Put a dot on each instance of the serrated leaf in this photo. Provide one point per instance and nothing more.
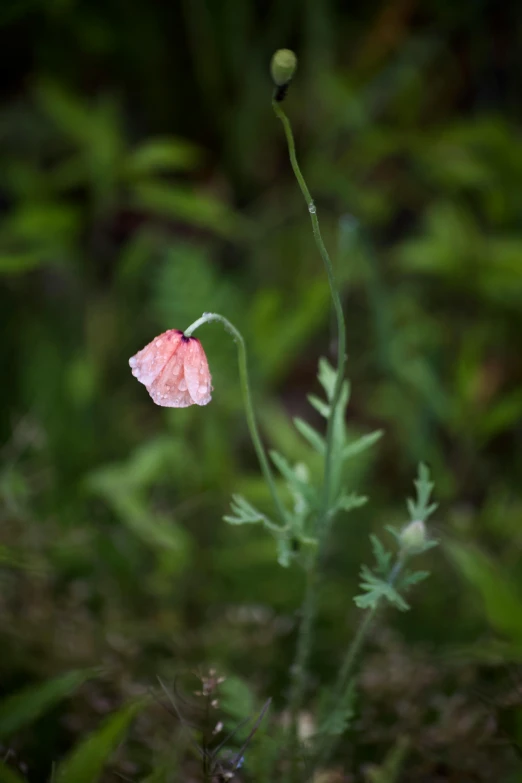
(420, 508)
(375, 589)
(338, 718)
(246, 514)
(315, 440)
(349, 502)
(322, 407)
(361, 444)
(24, 707)
(86, 761)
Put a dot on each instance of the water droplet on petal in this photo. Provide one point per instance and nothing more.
(183, 385)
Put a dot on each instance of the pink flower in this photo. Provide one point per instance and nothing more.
(174, 369)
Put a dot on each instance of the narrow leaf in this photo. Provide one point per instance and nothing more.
(315, 440)
(23, 708)
(327, 376)
(86, 761)
(322, 407)
(361, 444)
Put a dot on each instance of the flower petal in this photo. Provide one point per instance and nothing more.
(197, 374)
(170, 388)
(148, 363)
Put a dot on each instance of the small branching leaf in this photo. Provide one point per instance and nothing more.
(351, 501)
(246, 514)
(375, 588)
(315, 440)
(420, 508)
(361, 444)
(335, 721)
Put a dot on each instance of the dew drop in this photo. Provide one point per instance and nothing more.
(182, 385)
(312, 208)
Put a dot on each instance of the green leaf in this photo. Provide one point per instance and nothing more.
(361, 444)
(294, 479)
(284, 552)
(322, 407)
(315, 440)
(338, 719)
(501, 600)
(86, 761)
(382, 557)
(186, 205)
(8, 775)
(420, 509)
(375, 589)
(18, 263)
(168, 154)
(327, 376)
(413, 578)
(23, 708)
(246, 514)
(351, 501)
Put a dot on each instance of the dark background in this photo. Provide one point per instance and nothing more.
(144, 180)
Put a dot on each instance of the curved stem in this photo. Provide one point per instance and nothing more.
(336, 299)
(247, 399)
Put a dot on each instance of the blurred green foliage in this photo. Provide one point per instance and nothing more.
(145, 180)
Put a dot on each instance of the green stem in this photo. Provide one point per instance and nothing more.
(341, 688)
(247, 399)
(336, 299)
(309, 608)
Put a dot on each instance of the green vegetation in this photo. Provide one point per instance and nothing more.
(145, 181)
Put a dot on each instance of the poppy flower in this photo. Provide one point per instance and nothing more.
(174, 370)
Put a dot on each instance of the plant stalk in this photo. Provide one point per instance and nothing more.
(309, 607)
(344, 677)
(247, 399)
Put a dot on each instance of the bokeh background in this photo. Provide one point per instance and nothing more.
(144, 180)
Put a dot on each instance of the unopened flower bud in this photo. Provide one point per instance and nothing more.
(282, 67)
(413, 538)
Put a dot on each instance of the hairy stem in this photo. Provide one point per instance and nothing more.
(247, 399)
(340, 690)
(309, 608)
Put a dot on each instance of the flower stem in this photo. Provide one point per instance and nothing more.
(340, 690)
(247, 399)
(309, 607)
